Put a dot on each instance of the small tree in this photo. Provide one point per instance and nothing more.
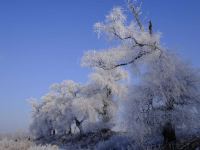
(105, 88)
(57, 111)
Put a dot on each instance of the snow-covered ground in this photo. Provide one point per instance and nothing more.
(102, 140)
(22, 142)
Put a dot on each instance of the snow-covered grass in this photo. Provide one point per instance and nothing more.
(22, 142)
(8, 144)
(99, 140)
(46, 147)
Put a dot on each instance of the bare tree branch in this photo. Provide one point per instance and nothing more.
(135, 13)
(130, 37)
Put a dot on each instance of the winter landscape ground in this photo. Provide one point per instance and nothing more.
(112, 111)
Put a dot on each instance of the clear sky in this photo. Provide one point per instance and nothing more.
(42, 41)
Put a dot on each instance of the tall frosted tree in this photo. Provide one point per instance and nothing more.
(168, 87)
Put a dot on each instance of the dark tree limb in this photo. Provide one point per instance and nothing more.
(140, 55)
(150, 28)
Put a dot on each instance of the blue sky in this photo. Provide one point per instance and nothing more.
(42, 41)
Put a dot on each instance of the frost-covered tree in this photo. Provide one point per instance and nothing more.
(167, 94)
(59, 109)
(104, 87)
(167, 85)
(67, 106)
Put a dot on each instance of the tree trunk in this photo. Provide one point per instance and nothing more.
(79, 125)
(168, 133)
